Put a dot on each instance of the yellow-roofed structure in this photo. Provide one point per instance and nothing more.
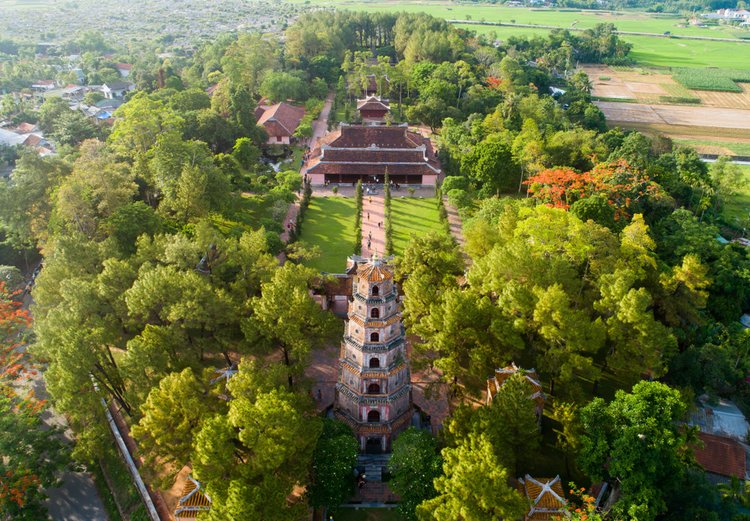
(546, 498)
(193, 501)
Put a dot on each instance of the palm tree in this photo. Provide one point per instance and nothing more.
(736, 491)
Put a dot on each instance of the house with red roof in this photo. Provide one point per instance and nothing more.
(721, 457)
(366, 152)
(124, 69)
(280, 121)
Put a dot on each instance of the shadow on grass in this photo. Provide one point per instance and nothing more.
(329, 225)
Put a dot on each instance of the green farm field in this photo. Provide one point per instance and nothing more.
(565, 18)
(647, 50)
(716, 146)
(652, 51)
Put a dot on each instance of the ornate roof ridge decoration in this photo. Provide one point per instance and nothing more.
(194, 500)
(502, 374)
(545, 496)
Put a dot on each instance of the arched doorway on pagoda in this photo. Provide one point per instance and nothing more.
(375, 445)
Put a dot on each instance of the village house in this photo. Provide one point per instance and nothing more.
(722, 458)
(26, 135)
(366, 152)
(43, 85)
(723, 433)
(117, 89)
(738, 15)
(124, 69)
(280, 121)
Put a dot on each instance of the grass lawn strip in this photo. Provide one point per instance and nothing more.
(329, 224)
(412, 216)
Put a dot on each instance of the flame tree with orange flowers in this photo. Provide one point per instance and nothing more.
(30, 456)
(625, 190)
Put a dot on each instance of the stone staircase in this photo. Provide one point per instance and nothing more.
(374, 465)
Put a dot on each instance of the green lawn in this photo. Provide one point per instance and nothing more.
(412, 216)
(367, 514)
(329, 224)
(738, 208)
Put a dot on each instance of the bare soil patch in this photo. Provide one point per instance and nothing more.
(649, 85)
(740, 100)
(696, 116)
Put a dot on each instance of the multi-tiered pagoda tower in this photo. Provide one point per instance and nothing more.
(373, 393)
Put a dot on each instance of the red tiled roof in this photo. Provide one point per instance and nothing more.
(381, 155)
(25, 128)
(359, 136)
(124, 66)
(281, 119)
(369, 150)
(720, 455)
(375, 271)
(32, 141)
(373, 103)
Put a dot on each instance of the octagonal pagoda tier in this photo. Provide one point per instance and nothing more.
(373, 393)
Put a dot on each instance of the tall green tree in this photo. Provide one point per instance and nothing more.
(509, 423)
(333, 465)
(475, 486)
(639, 442)
(415, 463)
(171, 417)
(287, 321)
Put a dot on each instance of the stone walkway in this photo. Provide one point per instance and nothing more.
(320, 125)
(374, 492)
(373, 224)
(323, 372)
